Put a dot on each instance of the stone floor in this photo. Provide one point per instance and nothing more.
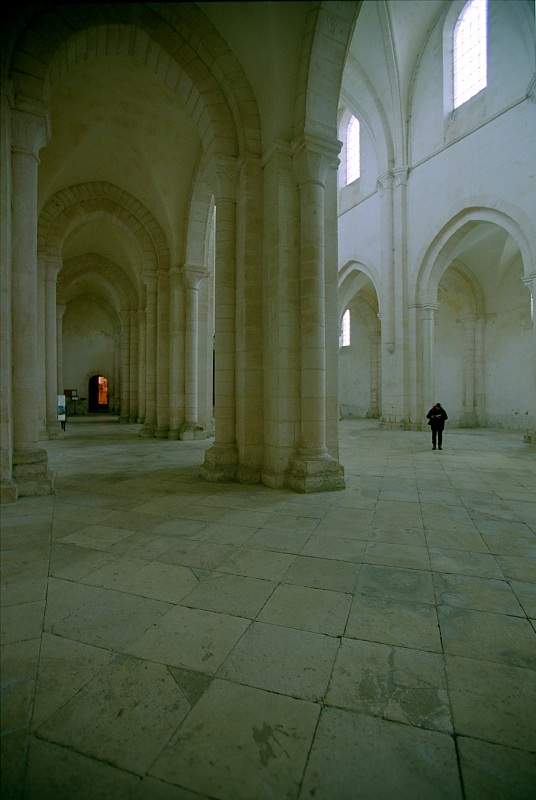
(169, 639)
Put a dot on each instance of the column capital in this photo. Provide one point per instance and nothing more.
(29, 132)
(312, 157)
(279, 150)
(530, 282)
(52, 269)
(193, 275)
(384, 182)
(400, 176)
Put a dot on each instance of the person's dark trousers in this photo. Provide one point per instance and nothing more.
(437, 435)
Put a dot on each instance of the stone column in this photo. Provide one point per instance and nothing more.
(150, 355)
(124, 413)
(133, 363)
(312, 468)
(530, 435)
(41, 344)
(60, 313)
(51, 342)
(469, 371)
(117, 374)
(162, 357)
(480, 363)
(28, 135)
(141, 366)
(176, 353)
(374, 409)
(221, 459)
(192, 276)
(428, 362)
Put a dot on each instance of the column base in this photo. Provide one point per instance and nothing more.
(161, 433)
(174, 434)
(147, 431)
(8, 492)
(245, 474)
(30, 473)
(221, 463)
(54, 431)
(468, 419)
(321, 474)
(392, 423)
(132, 420)
(191, 430)
(140, 420)
(530, 436)
(123, 419)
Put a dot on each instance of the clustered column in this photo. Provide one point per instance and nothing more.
(51, 339)
(530, 283)
(133, 366)
(176, 348)
(150, 355)
(29, 134)
(192, 278)
(428, 335)
(221, 459)
(125, 373)
(312, 468)
(141, 366)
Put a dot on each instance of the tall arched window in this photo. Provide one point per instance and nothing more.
(344, 337)
(470, 51)
(353, 162)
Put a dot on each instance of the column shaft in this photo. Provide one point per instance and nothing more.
(150, 356)
(428, 340)
(162, 357)
(176, 354)
(124, 413)
(53, 426)
(141, 365)
(133, 366)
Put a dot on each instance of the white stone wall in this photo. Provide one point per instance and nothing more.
(88, 345)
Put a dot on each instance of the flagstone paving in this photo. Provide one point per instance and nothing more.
(168, 639)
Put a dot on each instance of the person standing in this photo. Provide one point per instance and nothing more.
(436, 420)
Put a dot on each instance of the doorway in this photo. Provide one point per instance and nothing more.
(98, 393)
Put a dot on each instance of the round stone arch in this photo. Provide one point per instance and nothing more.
(329, 28)
(177, 42)
(350, 271)
(106, 270)
(442, 250)
(68, 207)
(200, 212)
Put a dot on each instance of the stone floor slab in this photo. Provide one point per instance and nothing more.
(125, 715)
(190, 638)
(494, 702)
(403, 584)
(493, 772)
(481, 594)
(230, 594)
(484, 635)
(464, 562)
(252, 563)
(394, 683)
(239, 743)
(282, 660)
(322, 573)
(396, 622)
(316, 610)
(359, 756)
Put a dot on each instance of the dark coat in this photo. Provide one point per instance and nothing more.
(436, 418)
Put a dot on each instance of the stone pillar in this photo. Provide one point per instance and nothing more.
(124, 412)
(192, 276)
(28, 135)
(480, 364)
(312, 468)
(117, 374)
(530, 435)
(150, 355)
(133, 364)
(162, 357)
(60, 313)
(469, 419)
(52, 269)
(428, 362)
(374, 408)
(41, 344)
(176, 353)
(141, 366)
(221, 459)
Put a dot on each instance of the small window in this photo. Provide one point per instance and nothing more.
(353, 161)
(344, 337)
(470, 52)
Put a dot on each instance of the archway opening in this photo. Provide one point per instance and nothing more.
(359, 349)
(98, 393)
